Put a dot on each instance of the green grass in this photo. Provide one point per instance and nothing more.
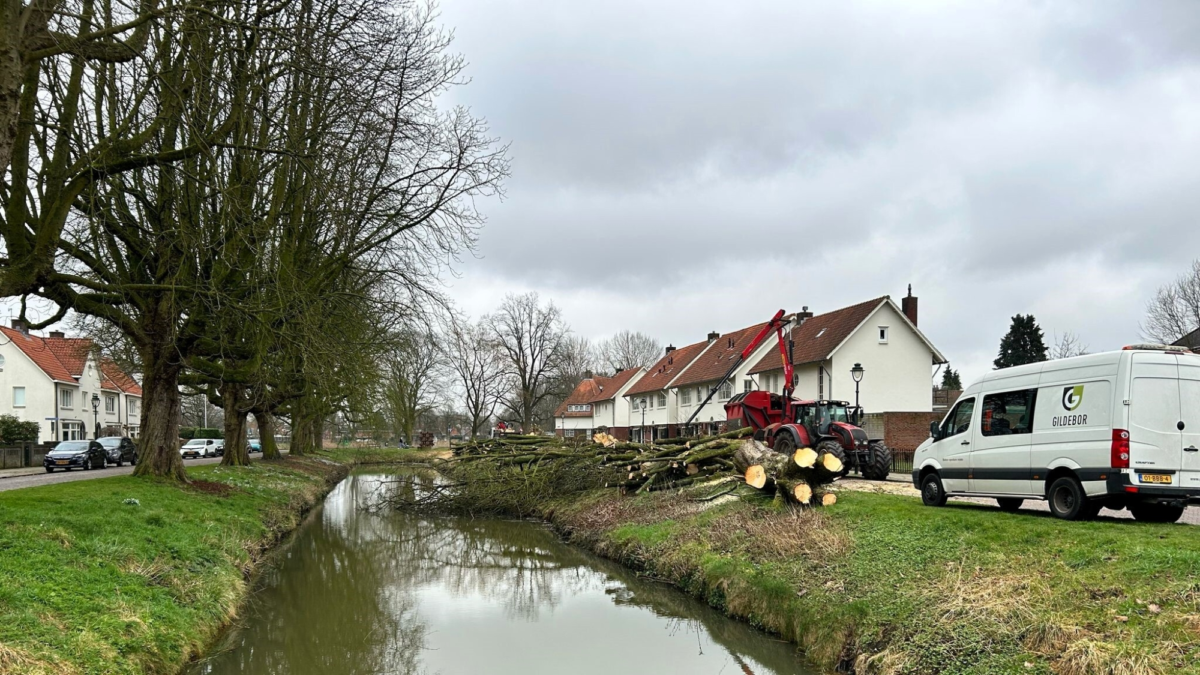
(92, 584)
(895, 587)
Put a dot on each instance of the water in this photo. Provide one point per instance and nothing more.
(364, 590)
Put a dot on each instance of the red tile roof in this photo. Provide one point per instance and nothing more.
(609, 386)
(669, 366)
(715, 362)
(63, 359)
(817, 337)
(117, 379)
(40, 353)
(584, 393)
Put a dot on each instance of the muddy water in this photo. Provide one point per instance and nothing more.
(364, 589)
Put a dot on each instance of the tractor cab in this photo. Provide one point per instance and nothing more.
(818, 415)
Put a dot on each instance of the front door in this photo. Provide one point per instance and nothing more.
(1001, 446)
(954, 446)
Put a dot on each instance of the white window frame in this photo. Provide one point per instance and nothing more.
(685, 396)
(748, 386)
(14, 397)
(110, 403)
(72, 431)
(66, 399)
(662, 399)
(883, 335)
(726, 391)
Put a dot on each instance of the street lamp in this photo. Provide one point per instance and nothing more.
(857, 373)
(96, 413)
(643, 419)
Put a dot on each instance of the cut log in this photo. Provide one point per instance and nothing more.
(828, 499)
(830, 463)
(756, 476)
(805, 458)
(799, 491)
(692, 469)
(751, 453)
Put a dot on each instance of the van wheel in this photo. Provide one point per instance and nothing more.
(1156, 513)
(932, 492)
(879, 462)
(1009, 504)
(1067, 499)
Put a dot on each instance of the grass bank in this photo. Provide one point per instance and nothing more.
(128, 575)
(879, 583)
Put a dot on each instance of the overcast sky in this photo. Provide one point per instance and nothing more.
(680, 167)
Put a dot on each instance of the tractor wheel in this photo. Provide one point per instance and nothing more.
(834, 448)
(878, 463)
(785, 444)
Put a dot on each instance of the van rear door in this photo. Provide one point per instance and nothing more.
(1189, 404)
(1155, 440)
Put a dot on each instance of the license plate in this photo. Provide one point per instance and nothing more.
(1155, 478)
(63, 461)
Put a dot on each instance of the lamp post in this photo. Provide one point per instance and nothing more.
(96, 414)
(643, 419)
(857, 373)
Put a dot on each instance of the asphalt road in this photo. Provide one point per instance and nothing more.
(43, 478)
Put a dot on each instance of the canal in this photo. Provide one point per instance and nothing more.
(362, 588)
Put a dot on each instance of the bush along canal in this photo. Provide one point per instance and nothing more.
(365, 588)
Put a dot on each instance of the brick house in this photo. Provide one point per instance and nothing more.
(596, 403)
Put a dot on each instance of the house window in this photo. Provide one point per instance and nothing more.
(18, 397)
(748, 386)
(883, 335)
(568, 433)
(72, 431)
(133, 406)
(662, 400)
(685, 396)
(726, 390)
(110, 404)
(1, 363)
(65, 398)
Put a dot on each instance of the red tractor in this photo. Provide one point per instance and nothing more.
(824, 426)
(786, 424)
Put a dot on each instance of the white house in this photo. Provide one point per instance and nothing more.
(594, 405)
(651, 402)
(52, 381)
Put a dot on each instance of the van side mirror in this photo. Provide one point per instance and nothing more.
(933, 430)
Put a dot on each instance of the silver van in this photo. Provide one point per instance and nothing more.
(1113, 430)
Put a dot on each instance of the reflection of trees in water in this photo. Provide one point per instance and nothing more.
(343, 599)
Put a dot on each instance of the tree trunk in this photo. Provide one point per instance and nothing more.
(266, 434)
(302, 428)
(158, 444)
(235, 426)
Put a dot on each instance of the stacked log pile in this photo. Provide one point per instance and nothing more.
(671, 463)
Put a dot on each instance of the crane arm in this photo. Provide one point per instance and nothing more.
(776, 324)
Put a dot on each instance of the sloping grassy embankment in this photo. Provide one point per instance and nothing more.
(881, 584)
(129, 575)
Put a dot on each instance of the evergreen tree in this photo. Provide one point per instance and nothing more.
(1023, 344)
(951, 380)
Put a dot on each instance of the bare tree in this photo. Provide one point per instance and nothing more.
(628, 349)
(530, 338)
(412, 372)
(1175, 310)
(477, 368)
(1067, 346)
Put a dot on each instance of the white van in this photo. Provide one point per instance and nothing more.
(1113, 430)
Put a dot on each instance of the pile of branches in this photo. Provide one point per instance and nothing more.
(666, 464)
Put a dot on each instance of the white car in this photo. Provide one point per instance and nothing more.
(1113, 430)
(202, 447)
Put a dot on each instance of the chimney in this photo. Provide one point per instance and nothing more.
(713, 336)
(587, 374)
(803, 315)
(21, 326)
(909, 305)
(57, 334)
(670, 348)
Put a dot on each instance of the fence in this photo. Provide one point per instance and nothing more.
(902, 462)
(22, 455)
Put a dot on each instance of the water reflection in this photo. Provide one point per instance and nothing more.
(367, 590)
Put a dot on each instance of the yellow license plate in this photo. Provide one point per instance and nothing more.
(1155, 478)
(63, 461)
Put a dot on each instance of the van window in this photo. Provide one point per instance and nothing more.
(1007, 413)
(959, 420)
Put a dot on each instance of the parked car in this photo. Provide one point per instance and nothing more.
(120, 449)
(76, 455)
(1114, 430)
(202, 447)
(255, 445)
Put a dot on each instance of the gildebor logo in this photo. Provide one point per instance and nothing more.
(1072, 397)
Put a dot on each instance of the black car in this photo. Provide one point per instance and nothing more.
(120, 449)
(76, 455)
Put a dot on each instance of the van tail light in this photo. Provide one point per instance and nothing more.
(1120, 449)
